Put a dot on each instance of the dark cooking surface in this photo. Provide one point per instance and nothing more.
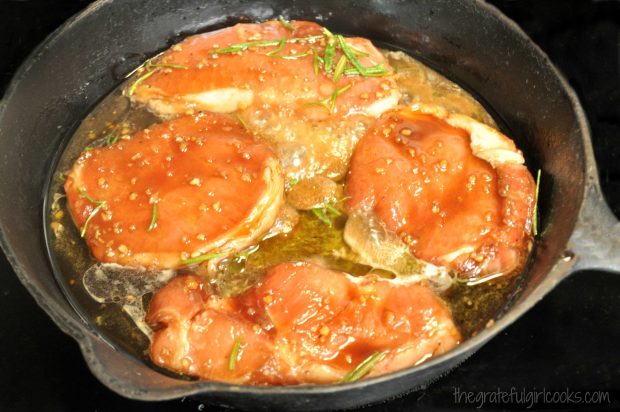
(569, 340)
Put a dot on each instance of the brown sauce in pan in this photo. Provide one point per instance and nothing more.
(473, 307)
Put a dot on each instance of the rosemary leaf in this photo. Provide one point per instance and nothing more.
(287, 24)
(330, 102)
(293, 56)
(277, 49)
(315, 62)
(339, 70)
(332, 209)
(322, 103)
(134, 86)
(242, 121)
(112, 138)
(319, 212)
(358, 52)
(90, 217)
(170, 65)
(535, 215)
(234, 354)
(330, 51)
(235, 48)
(131, 73)
(293, 182)
(363, 368)
(86, 196)
(151, 68)
(335, 94)
(100, 204)
(202, 258)
(144, 64)
(153, 224)
(373, 71)
(350, 55)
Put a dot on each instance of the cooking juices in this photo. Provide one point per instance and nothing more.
(323, 223)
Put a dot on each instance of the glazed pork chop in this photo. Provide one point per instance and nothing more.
(301, 324)
(175, 192)
(308, 92)
(455, 190)
(267, 63)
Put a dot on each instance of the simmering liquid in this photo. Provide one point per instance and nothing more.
(115, 306)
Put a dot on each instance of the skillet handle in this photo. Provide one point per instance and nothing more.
(596, 239)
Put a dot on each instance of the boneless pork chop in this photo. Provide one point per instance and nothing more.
(455, 190)
(174, 192)
(308, 92)
(301, 324)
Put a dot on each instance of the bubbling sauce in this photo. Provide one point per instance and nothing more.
(316, 237)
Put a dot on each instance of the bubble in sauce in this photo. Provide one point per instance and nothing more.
(381, 249)
(125, 286)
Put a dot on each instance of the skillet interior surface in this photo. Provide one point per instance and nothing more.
(85, 59)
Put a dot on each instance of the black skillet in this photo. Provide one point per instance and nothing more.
(469, 41)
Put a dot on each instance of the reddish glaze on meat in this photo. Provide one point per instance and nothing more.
(456, 191)
(198, 332)
(301, 324)
(177, 190)
(271, 76)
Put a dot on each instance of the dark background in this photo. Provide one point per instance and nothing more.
(571, 340)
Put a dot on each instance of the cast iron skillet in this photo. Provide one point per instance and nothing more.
(469, 41)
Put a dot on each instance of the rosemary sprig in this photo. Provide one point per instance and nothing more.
(333, 42)
(287, 24)
(151, 68)
(535, 217)
(100, 204)
(239, 47)
(326, 213)
(202, 258)
(153, 224)
(363, 368)
(350, 55)
(234, 354)
(330, 102)
(292, 56)
(293, 182)
(112, 138)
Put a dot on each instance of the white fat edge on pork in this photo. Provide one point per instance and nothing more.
(486, 142)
